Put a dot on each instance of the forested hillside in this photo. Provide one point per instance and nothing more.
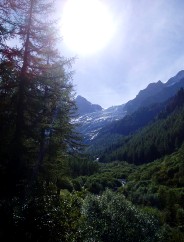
(163, 136)
(111, 134)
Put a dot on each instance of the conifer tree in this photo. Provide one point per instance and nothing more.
(36, 90)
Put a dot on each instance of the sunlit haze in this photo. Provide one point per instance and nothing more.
(87, 26)
(121, 45)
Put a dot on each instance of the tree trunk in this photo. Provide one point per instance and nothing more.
(21, 93)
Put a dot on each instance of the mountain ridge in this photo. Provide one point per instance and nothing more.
(92, 122)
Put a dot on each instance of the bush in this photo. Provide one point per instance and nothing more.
(110, 217)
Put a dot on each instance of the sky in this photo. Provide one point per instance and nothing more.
(147, 46)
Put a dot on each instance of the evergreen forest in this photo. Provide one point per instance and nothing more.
(52, 187)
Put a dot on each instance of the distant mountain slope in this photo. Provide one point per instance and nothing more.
(90, 124)
(93, 120)
(156, 93)
(160, 138)
(132, 122)
(112, 133)
(85, 106)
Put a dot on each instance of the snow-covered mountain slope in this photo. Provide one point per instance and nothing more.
(91, 123)
(94, 118)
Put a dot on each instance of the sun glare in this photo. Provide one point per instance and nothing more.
(87, 26)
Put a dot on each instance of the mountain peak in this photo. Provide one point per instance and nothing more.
(150, 90)
(176, 78)
(79, 97)
(84, 106)
(156, 92)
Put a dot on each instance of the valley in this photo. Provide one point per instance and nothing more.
(72, 170)
(141, 143)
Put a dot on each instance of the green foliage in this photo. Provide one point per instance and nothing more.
(43, 217)
(98, 146)
(36, 95)
(82, 167)
(37, 135)
(110, 217)
(109, 176)
(157, 185)
(160, 185)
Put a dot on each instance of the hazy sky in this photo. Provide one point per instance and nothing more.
(147, 46)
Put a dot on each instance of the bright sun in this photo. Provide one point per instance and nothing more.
(87, 26)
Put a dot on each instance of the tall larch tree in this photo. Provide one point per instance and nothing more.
(36, 133)
(37, 95)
